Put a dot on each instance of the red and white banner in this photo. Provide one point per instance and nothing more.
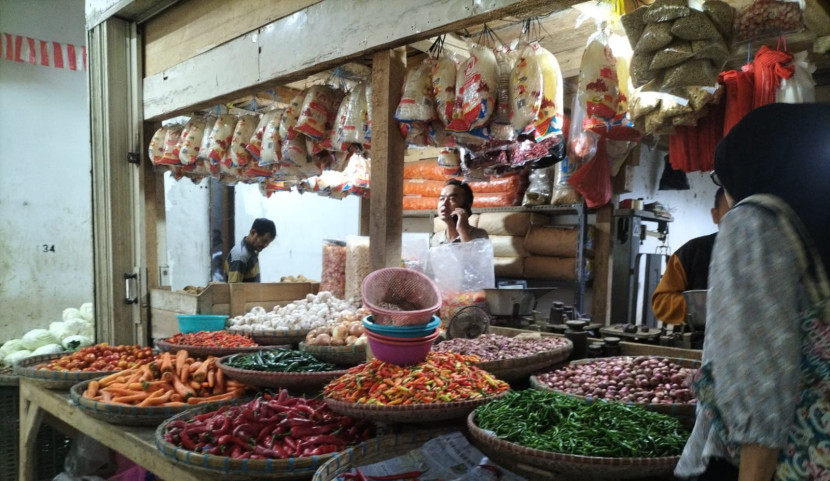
(18, 48)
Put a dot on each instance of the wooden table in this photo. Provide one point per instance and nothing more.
(135, 443)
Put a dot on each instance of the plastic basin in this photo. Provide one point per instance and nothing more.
(401, 353)
(418, 330)
(201, 322)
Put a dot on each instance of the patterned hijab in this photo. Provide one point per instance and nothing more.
(783, 150)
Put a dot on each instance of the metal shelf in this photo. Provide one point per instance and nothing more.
(642, 214)
(548, 209)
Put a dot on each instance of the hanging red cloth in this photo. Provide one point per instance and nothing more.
(737, 99)
(692, 149)
(770, 67)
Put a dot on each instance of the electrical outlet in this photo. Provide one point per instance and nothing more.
(164, 275)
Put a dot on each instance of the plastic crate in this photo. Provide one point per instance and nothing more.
(52, 445)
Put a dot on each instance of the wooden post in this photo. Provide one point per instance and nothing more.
(600, 302)
(30, 418)
(386, 198)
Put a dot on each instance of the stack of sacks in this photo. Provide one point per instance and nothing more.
(424, 180)
(551, 252)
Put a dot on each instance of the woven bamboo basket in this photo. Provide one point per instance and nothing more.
(7, 377)
(519, 368)
(374, 450)
(412, 413)
(285, 380)
(685, 411)
(271, 337)
(130, 415)
(53, 379)
(204, 351)
(568, 466)
(222, 467)
(340, 355)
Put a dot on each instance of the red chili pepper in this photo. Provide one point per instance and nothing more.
(211, 339)
(305, 431)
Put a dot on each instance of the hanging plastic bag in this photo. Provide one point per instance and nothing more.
(333, 276)
(290, 116)
(358, 265)
(316, 111)
(800, 88)
(353, 123)
(443, 76)
(766, 18)
(156, 148)
(415, 133)
(245, 127)
(254, 145)
(540, 186)
(191, 139)
(417, 103)
(501, 127)
(270, 151)
(525, 88)
(593, 179)
(548, 121)
(462, 270)
(204, 144)
(475, 88)
(220, 137)
(450, 161)
(171, 139)
(294, 151)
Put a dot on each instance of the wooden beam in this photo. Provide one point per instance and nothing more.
(386, 201)
(248, 64)
(98, 11)
(195, 26)
(601, 299)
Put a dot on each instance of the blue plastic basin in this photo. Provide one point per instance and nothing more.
(417, 330)
(201, 322)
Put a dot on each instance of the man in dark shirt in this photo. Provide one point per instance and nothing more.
(687, 269)
(242, 264)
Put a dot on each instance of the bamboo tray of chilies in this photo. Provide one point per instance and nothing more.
(567, 466)
(411, 413)
(131, 415)
(224, 468)
(276, 379)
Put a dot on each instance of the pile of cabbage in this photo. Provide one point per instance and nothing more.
(75, 331)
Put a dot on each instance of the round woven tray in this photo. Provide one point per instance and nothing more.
(340, 355)
(204, 351)
(7, 377)
(374, 450)
(412, 413)
(223, 467)
(519, 368)
(53, 379)
(271, 337)
(286, 380)
(682, 410)
(512, 455)
(129, 415)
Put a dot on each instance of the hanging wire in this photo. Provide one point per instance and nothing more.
(437, 47)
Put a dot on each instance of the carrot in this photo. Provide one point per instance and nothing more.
(211, 378)
(135, 386)
(176, 397)
(184, 375)
(153, 386)
(201, 373)
(146, 373)
(168, 376)
(194, 366)
(92, 389)
(195, 385)
(112, 377)
(219, 387)
(166, 364)
(181, 359)
(157, 400)
(106, 396)
(120, 392)
(183, 390)
(219, 397)
(139, 396)
(135, 377)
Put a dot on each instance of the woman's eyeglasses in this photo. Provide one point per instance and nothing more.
(715, 178)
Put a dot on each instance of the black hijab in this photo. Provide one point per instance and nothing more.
(784, 150)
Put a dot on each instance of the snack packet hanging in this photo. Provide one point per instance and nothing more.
(294, 151)
(443, 75)
(156, 148)
(548, 121)
(245, 127)
(220, 137)
(316, 112)
(171, 139)
(475, 87)
(501, 127)
(204, 144)
(525, 88)
(271, 148)
(354, 123)
(417, 103)
(290, 116)
(254, 145)
(191, 139)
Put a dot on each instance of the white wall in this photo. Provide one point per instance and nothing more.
(188, 239)
(45, 181)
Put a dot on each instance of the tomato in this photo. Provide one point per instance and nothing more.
(90, 357)
(122, 364)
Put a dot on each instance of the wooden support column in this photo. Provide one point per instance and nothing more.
(601, 300)
(386, 198)
(30, 418)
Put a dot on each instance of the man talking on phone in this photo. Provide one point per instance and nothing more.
(455, 208)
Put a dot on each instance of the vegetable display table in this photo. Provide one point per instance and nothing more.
(135, 443)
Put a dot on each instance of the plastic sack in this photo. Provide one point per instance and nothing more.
(501, 127)
(316, 112)
(593, 179)
(598, 85)
(540, 186)
(548, 121)
(525, 89)
(294, 151)
(417, 103)
(270, 149)
(475, 89)
(766, 18)
(87, 457)
(220, 137)
(443, 76)
(438, 135)
(462, 267)
(415, 133)
(722, 16)
(358, 265)
(245, 127)
(204, 145)
(423, 169)
(191, 139)
(634, 24)
(333, 276)
(290, 116)
(415, 255)
(450, 161)
(800, 88)
(665, 10)
(254, 144)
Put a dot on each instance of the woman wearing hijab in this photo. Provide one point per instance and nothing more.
(764, 385)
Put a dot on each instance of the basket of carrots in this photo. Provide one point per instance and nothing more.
(151, 393)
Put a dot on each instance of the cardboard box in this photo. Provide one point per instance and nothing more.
(228, 299)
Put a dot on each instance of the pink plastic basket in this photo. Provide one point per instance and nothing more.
(400, 297)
